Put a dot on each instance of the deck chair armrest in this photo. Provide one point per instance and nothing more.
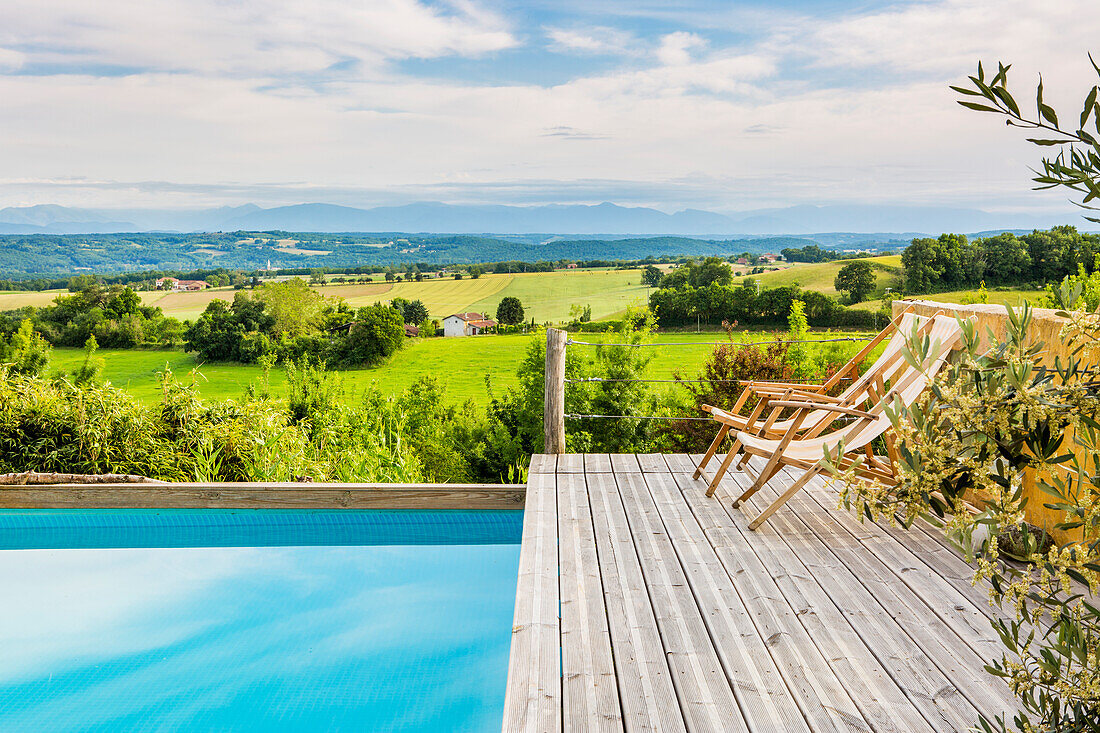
(831, 408)
(805, 386)
(802, 395)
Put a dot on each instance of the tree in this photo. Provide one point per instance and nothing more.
(857, 278)
(295, 306)
(25, 353)
(475, 272)
(81, 282)
(378, 332)
(997, 416)
(651, 276)
(389, 276)
(510, 311)
(1007, 259)
(415, 312)
(710, 270)
(920, 263)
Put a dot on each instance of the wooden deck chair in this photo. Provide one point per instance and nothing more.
(807, 452)
(855, 396)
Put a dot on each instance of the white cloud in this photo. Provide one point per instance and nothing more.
(256, 37)
(596, 40)
(675, 48)
(10, 60)
(854, 108)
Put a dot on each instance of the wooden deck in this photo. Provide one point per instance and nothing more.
(642, 605)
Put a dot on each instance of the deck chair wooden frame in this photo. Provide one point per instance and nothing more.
(861, 392)
(849, 446)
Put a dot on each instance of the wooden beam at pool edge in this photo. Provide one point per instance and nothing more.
(264, 495)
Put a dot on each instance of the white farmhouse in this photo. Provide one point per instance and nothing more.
(466, 324)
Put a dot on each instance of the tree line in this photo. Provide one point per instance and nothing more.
(703, 292)
(953, 262)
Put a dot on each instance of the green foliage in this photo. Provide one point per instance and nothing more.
(296, 308)
(857, 278)
(510, 311)
(716, 304)
(798, 355)
(809, 253)
(293, 322)
(651, 276)
(712, 270)
(377, 333)
(91, 370)
(1085, 285)
(114, 315)
(619, 396)
(1076, 166)
(987, 423)
(415, 312)
(24, 353)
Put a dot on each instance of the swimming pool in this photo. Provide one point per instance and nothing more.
(255, 620)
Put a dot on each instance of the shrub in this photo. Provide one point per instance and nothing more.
(719, 386)
(987, 423)
(24, 353)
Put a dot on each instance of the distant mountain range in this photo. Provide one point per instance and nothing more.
(606, 219)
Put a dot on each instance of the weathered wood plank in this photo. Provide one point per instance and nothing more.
(817, 689)
(590, 695)
(553, 410)
(571, 463)
(705, 694)
(246, 495)
(624, 463)
(935, 694)
(597, 463)
(775, 683)
(951, 630)
(652, 463)
(532, 700)
(680, 463)
(542, 463)
(775, 583)
(647, 695)
(963, 607)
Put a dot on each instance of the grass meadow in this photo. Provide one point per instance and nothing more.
(820, 275)
(546, 296)
(461, 364)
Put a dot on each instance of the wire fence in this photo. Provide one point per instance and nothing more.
(742, 344)
(580, 416)
(605, 380)
(792, 380)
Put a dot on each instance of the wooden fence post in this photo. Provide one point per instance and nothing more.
(553, 410)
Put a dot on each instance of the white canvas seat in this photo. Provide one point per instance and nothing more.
(807, 452)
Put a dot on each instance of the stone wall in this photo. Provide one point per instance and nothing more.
(1046, 327)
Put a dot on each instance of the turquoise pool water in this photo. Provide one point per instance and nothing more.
(255, 620)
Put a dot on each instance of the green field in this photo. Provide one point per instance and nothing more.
(546, 296)
(996, 297)
(820, 275)
(460, 364)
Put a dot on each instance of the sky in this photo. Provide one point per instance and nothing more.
(726, 106)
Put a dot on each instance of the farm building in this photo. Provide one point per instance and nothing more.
(466, 324)
(171, 283)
